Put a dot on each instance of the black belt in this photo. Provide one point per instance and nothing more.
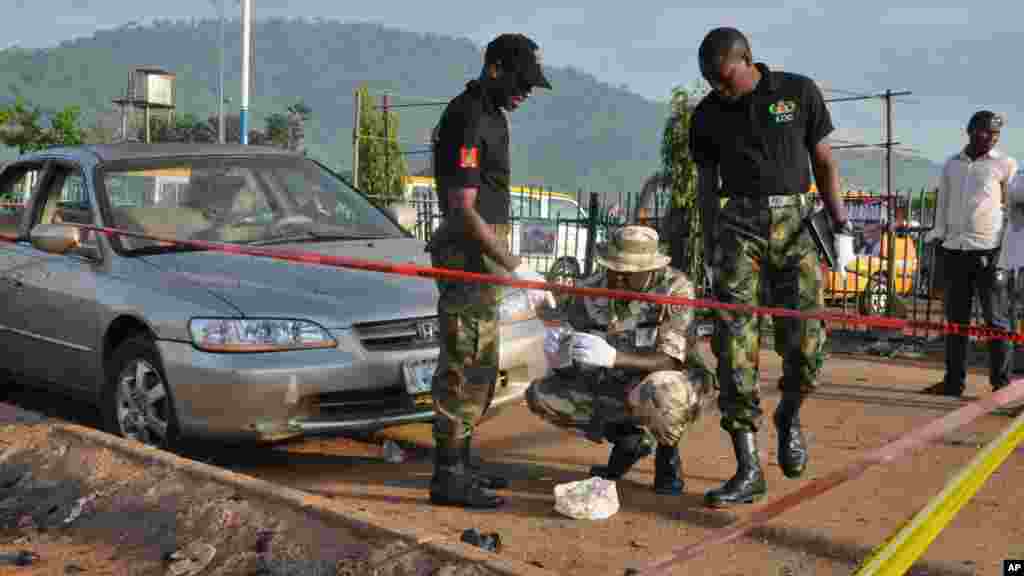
(775, 200)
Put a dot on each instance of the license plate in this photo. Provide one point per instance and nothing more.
(419, 374)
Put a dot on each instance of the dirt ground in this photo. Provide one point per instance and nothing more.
(863, 403)
(76, 508)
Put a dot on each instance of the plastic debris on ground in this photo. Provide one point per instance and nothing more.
(19, 558)
(490, 542)
(592, 499)
(191, 560)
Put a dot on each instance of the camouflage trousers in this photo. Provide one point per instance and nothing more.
(663, 404)
(467, 370)
(786, 266)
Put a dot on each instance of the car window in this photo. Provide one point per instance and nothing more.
(236, 200)
(66, 200)
(16, 185)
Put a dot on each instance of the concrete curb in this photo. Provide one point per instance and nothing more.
(325, 508)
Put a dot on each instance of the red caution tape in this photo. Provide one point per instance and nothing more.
(897, 448)
(981, 332)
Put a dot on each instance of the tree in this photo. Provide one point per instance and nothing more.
(20, 127)
(185, 128)
(382, 168)
(281, 130)
(298, 113)
(680, 174)
(277, 130)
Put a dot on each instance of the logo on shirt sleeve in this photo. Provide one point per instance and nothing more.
(783, 111)
(469, 157)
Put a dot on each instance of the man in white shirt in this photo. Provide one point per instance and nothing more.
(1011, 256)
(969, 221)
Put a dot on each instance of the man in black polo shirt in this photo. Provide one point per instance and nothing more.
(756, 130)
(471, 167)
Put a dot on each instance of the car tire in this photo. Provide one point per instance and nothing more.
(145, 414)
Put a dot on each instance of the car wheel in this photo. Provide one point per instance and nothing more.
(137, 401)
(874, 300)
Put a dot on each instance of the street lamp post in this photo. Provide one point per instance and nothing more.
(220, 83)
(243, 115)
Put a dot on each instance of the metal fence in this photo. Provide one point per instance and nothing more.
(561, 245)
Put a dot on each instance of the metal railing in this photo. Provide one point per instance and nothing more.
(562, 246)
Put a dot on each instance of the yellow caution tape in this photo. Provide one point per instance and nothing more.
(894, 556)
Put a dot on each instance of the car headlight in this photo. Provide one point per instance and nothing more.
(258, 335)
(515, 306)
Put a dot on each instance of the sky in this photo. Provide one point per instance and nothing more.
(954, 59)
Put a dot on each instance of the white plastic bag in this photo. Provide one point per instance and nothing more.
(556, 345)
(592, 499)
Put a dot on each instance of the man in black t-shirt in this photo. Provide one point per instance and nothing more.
(756, 131)
(472, 171)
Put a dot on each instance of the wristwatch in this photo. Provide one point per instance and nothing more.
(844, 228)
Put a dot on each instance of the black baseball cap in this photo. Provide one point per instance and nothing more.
(986, 120)
(518, 53)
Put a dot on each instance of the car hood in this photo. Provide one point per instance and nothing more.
(333, 297)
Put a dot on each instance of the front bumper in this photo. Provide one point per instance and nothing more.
(275, 396)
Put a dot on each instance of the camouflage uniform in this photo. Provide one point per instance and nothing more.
(463, 385)
(788, 263)
(662, 403)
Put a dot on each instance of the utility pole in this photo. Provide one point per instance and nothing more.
(358, 97)
(891, 288)
(220, 82)
(887, 96)
(128, 95)
(243, 116)
(387, 149)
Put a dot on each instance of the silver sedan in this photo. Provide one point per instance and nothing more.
(171, 341)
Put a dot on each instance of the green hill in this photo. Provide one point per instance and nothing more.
(865, 169)
(586, 134)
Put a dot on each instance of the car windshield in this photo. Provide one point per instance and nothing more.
(237, 200)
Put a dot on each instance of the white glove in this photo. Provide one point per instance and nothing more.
(536, 297)
(553, 345)
(592, 350)
(844, 253)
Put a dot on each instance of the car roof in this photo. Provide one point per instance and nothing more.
(155, 151)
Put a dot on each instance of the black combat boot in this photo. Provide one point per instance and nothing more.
(628, 448)
(475, 468)
(748, 484)
(453, 485)
(792, 447)
(666, 470)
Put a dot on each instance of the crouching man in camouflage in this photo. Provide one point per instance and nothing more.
(636, 377)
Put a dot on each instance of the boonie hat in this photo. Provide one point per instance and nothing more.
(632, 249)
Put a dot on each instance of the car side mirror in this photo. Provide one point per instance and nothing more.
(61, 239)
